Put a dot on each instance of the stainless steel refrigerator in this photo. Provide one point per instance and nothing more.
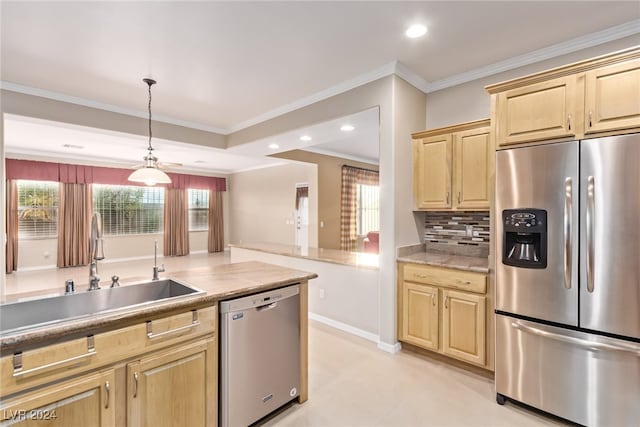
(568, 279)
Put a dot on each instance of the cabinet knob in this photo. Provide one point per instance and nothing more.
(569, 122)
(590, 122)
(458, 197)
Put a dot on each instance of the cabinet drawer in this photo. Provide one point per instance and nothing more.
(446, 277)
(38, 366)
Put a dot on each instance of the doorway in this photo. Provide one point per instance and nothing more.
(302, 215)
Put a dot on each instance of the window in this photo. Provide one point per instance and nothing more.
(37, 209)
(198, 210)
(368, 208)
(129, 209)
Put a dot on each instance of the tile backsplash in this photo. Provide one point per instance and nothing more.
(458, 233)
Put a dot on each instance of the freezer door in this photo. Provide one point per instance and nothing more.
(542, 177)
(585, 378)
(610, 235)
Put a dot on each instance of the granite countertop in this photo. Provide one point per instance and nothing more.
(218, 283)
(419, 255)
(459, 262)
(335, 256)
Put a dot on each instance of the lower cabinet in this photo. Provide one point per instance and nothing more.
(463, 326)
(159, 372)
(174, 388)
(86, 401)
(420, 316)
(437, 313)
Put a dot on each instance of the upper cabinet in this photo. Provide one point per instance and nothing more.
(612, 97)
(452, 167)
(538, 111)
(597, 96)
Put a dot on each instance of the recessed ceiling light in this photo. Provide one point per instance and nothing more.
(78, 147)
(274, 146)
(305, 138)
(416, 31)
(347, 128)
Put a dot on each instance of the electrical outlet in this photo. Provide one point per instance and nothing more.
(321, 293)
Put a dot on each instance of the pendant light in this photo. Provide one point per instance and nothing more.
(150, 173)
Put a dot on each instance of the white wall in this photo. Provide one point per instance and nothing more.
(350, 299)
(262, 203)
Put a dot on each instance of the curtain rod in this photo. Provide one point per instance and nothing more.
(363, 169)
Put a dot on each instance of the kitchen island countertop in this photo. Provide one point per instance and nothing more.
(218, 282)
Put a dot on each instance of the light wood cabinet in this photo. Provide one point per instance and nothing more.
(595, 97)
(463, 326)
(452, 167)
(432, 172)
(539, 111)
(420, 315)
(175, 387)
(82, 381)
(85, 401)
(612, 97)
(444, 310)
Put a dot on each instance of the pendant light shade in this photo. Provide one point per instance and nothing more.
(150, 174)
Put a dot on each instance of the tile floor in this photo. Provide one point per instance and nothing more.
(351, 382)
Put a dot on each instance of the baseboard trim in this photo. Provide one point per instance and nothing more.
(389, 348)
(345, 328)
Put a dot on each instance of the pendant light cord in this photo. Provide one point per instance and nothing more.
(150, 147)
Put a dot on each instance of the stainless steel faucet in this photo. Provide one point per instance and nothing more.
(96, 251)
(156, 269)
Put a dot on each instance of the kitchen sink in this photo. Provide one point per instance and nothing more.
(44, 311)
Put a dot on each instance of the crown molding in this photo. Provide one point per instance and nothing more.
(594, 39)
(57, 96)
(412, 78)
(362, 79)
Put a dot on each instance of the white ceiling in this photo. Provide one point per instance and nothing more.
(222, 66)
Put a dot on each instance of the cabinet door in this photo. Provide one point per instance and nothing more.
(420, 315)
(612, 97)
(472, 167)
(85, 401)
(536, 112)
(432, 172)
(176, 387)
(463, 326)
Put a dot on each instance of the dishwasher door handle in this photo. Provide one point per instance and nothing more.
(267, 306)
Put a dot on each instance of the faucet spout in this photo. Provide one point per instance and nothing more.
(96, 251)
(156, 269)
(94, 279)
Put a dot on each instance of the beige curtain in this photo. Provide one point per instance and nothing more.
(11, 224)
(301, 192)
(351, 177)
(216, 227)
(74, 224)
(176, 222)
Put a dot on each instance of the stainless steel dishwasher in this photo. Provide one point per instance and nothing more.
(260, 355)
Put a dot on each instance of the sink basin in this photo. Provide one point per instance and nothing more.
(39, 312)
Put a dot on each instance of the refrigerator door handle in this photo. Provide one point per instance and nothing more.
(590, 226)
(568, 208)
(586, 344)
